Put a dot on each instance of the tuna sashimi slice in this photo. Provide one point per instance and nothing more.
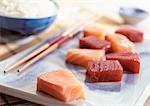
(120, 43)
(61, 84)
(94, 30)
(104, 71)
(81, 57)
(129, 61)
(93, 42)
(131, 33)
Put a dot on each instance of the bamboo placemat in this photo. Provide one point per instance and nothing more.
(9, 49)
(6, 100)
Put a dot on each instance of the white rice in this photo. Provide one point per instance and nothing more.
(27, 8)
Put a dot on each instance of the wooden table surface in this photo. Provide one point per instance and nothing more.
(9, 49)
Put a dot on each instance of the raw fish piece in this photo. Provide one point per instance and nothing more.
(129, 61)
(81, 57)
(120, 43)
(94, 30)
(131, 33)
(61, 84)
(93, 42)
(104, 71)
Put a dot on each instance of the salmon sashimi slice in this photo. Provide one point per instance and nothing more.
(129, 61)
(92, 42)
(133, 34)
(94, 30)
(61, 84)
(120, 43)
(104, 71)
(81, 57)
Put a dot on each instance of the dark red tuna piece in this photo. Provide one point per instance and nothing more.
(92, 42)
(131, 33)
(104, 71)
(129, 61)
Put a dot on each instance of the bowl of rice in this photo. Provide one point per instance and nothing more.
(27, 17)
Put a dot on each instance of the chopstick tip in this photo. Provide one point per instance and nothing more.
(5, 71)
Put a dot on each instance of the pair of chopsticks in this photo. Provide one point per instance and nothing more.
(47, 48)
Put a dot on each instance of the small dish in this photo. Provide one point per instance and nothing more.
(132, 15)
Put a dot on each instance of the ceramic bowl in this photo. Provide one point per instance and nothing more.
(25, 26)
(132, 15)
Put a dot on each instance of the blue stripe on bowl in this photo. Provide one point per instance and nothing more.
(27, 26)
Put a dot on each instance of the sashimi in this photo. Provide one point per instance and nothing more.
(104, 71)
(81, 57)
(94, 30)
(93, 42)
(131, 33)
(61, 84)
(120, 43)
(129, 61)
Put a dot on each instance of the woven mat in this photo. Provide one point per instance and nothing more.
(6, 100)
(62, 22)
(9, 49)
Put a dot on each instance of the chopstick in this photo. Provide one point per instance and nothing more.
(44, 53)
(36, 52)
(47, 48)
